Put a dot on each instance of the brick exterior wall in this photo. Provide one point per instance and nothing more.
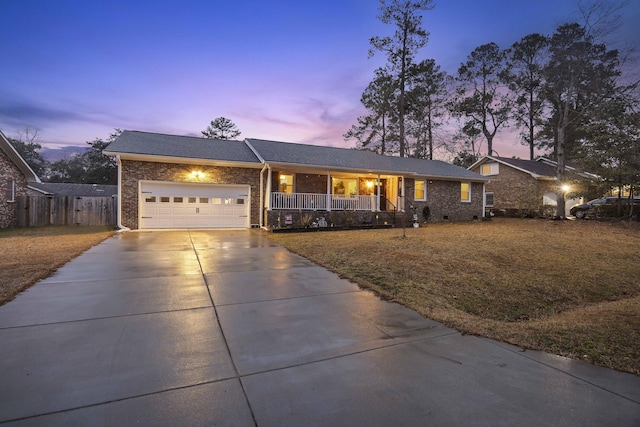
(302, 182)
(310, 183)
(516, 192)
(135, 171)
(443, 200)
(8, 170)
(443, 197)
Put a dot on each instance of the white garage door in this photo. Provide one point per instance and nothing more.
(177, 205)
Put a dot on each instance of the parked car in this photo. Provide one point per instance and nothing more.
(604, 206)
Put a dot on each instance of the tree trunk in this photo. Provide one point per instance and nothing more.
(531, 126)
(403, 71)
(560, 205)
(430, 136)
(489, 137)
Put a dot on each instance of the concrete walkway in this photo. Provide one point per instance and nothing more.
(225, 328)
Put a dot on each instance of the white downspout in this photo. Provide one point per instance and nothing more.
(261, 222)
(119, 220)
(268, 193)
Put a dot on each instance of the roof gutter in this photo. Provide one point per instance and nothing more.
(180, 160)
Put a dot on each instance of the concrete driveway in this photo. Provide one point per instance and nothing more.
(226, 328)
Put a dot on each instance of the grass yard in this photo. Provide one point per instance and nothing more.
(567, 287)
(33, 253)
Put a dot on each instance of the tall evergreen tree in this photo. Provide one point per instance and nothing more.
(580, 78)
(376, 130)
(221, 128)
(525, 63)
(480, 97)
(401, 48)
(426, 105)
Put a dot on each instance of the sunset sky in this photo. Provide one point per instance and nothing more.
(284, 70)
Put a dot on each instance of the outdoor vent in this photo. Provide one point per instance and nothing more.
(445, 217)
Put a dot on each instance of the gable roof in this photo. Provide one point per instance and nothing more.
(257, 152)
(15, 157)
(144, 146)
(541, 168)
(344, 159)
(75, 190)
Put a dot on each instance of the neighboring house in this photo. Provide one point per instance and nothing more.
(15, 174)
(168, 181)
(73, 190)
(527, 187)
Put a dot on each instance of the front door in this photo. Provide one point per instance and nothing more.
(383, 195)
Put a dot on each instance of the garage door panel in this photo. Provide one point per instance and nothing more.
(178, 205)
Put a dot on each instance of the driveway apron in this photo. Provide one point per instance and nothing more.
(199, 327)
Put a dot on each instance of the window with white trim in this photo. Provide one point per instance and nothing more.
(420, 190)
(489, 169)
(11, 190)
(465, 192)
(344, 186)
(286, 183)
(488, 199)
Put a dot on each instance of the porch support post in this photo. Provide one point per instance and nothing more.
(328, 191)
(268, 192)
(401, 207)
(378, 195)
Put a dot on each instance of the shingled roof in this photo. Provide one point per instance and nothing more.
(259, 151)
(540, 168)
(143, 144)
(283, 153)
(75, 190)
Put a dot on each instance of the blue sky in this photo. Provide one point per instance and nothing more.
(284, 70)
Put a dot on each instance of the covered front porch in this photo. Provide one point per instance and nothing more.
(294, 198)
(334, 192)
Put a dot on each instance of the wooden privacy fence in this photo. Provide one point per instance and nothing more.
(66, 210)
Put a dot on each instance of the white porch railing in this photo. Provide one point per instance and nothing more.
(352, 203)
(318, 202)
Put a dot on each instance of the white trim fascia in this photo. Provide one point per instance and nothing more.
(183, 160)
(17, 159)
(39, 190)
(481, 160)
(533, 174)
(325, 169)
(451, 178)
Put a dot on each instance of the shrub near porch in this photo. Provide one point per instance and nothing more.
(570, 288)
